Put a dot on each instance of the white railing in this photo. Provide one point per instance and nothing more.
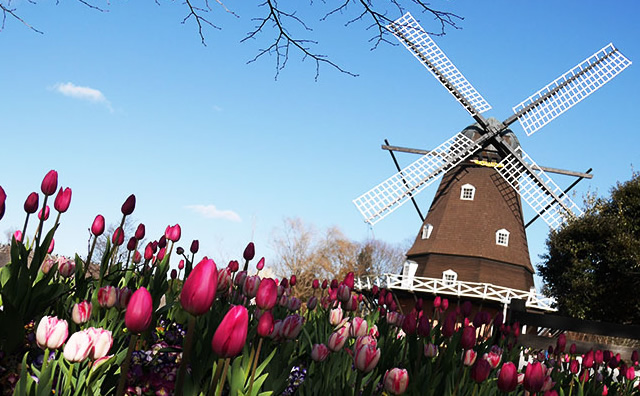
(483, 291)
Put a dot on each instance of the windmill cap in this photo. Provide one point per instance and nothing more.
(474, 132)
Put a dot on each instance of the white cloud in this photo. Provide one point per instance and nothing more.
(83, 93)
(211, 212)
(217, 108)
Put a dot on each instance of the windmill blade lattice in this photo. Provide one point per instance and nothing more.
(415, 39)
(567, 90)
(389, 195)
(544, 204)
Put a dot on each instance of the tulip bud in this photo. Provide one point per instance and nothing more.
(199, 290)
(181, 265)
(312, 303)
(231, 334)
(139, 311)
(534, 377)
(284, 283)
(148, 252)
(358, 327)
(122, 297)
(195, 246)
(396, 381)
(101, 342)
(335, 316)
(51, 246)
(233, 265)
(173, 233)
(480, 371)
(424, 327)
(66, 267)
(50, 183)
(97, 228)
(430, 350)
(161, 254)
(260, 264)
(319, 352)
(48, 263)
(324, 284)
(63, 200)
(265, 324)
(118, 237)
(131, 244)
(162, 242)
(469, 357)
(598, 357)
(508, 377)
(46, 213)
(293, 304)
(344, 294)
(3, 197)
(293, 280)
(338, 338)
(107, 296)
(366, 358)
(574, 367)
(292, 326)
(17, 236)
(51, 332)
(449, 324)
(31, 203)
(179, 250)
(129, 205)
(249, 252)
(315, 284)
(630, 373)
(267, 294)
(81, 312)
(587, 359)
(409, 324)
(78, 347)
(444, 305)
(561, 343)
(140, 231)
(468, 339)
(174, 274)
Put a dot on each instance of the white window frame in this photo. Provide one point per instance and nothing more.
(466, 190)
(502, 237)
(449, 277)
(427, 229)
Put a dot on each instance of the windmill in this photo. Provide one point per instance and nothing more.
(474, 230)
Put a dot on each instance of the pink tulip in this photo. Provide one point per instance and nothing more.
(534, 377)
(260, 264)
(315, 284)
(46, 213)
(358, 327)
(3, 197)
(148, 252)
(78, 347)
(630, 373)
(430, 350)
(51, 332)
(493, 358)
(48, 263)
(396, 381)
(319, 352)
(97, 228)
(31, 203)
(81, 312)
(366, 358)
(50, 183)
(265, 324)
(469, 357)
(118, 237)
(335, 316)
(362, 340)
(231, 334)
(63, 199)
(338, 338)
(173, 233)
(561, 343)
(508, 377)
(129, 205)
(251, 285)
(349, 280)
(249, 252)
(574, 367)
(107, 296)
(292, 326)
(267, 294)
(52, 245)
(139, 311)
(66, 267)
(199, 290)
(101, 342)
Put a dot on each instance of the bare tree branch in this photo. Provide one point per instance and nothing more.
(11, 11)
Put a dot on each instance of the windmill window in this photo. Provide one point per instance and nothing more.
(502, 237)
(426, 231)
(449, 277)
(467, 192)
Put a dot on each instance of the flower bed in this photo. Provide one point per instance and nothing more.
(141, 328)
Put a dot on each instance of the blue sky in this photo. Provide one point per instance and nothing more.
(129, 101)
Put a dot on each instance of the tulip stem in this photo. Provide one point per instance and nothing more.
(254, 366)
(358, 385)
(186, 355)
(216, 377)
(224, 376)
(126, 364)
(24, 229)
(41, 223)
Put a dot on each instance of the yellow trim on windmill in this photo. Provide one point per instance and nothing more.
(489, 164)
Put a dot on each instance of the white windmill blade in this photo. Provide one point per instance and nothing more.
(543, 203)
(567, 90)
(396, 190)
(409, 32)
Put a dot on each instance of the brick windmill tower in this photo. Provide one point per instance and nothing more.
(474, 230)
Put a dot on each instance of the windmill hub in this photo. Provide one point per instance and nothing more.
(490, 152)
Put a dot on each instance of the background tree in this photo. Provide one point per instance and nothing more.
(592, 265)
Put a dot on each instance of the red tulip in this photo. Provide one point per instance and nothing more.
(293, 280)
(265, 324)
(534, 377)
(50, 183)
(195, 246)
(448, 327)
(249, 251)
(63, 199)
(148, 252)
(424, 327)
(267, 294)
(233, 265)
(468, 339)
(231, 334)
(129, 205)
(410, 323)
(118, 237)
(574, 367)
(480, 370)
(561, 343)
(46, 213)
(131, 244)
(139, 310)
(97, 228)
(140, 231)
(396, 381)
(437, 301)
(31, 203)
(173, 233)
(349, 280)
(508, 378)
(199, 290)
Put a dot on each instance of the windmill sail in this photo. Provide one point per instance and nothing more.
(396, 190)
(552, 210)
(572, 87)
(412, 36)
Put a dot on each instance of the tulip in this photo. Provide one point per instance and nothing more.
(97, 228)
(550, 393)
(162, 242)
(81, 312)
(48, 262)
(277, 330)
(319, 352)
(131, 244)
(508, 377)
(174, 274)
(366, 358)
(635, 357)
(335, 316)
(195, 246)
(409, 324)
(480, 371)
(31, 203)
(51, 332)
(249, 251)
(444, 305)
(63, 199)
(293, 280)
(358, 327)
(312, 303)
(349, 280)
(50, 183)
(469, 357)
(344, 294)
(231, 334)
(630, 373)
(448, 327)
(534, 377)
(437, 301)
(66, 267)
(265, 324)
(574, 367)
(173, 233)
(588, 359)
(598, 357)
(51, 246)
(547, 385)
(107, 296)
(294, 304)
(46, 213)
(468, 339)
(3, 198)
(148, 252)
(251, 285)
(324, 284)
(260, 264)
(338, 338)
(561, 343)
(424, 327)
(181, 265)
(393, 318)
(240, 278)
(396, 381)
(493, 358)
(351, 304)
(430, 350)
(118, 237)
(122, 297)
(129, 205)
(292, 326)
(78, 347)
(139, 310)
(224, 280)
(199, 290)
(101, 342)
(233, 266)
(267, 294)
(284, 283)
(572, 349)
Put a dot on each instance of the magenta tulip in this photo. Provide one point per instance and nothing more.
(396, 381)
(260, 264)
(140, 232)
(46, 213)
(249, 252)
(17, 236)
(3, 197)
(139, 311)
(267, 294)
(118, 237)
(199, 290)
(468, 339)
(31, 203)
(51, 246)
(349, 280)
(315, 284)
(148, 252)
(51, 332)
(534, 377)
(231, 334)
(50, 183)
(97, 228)
(63, 200)
(233, 266)
(508, 378)
(173, 233)
(265, 324)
